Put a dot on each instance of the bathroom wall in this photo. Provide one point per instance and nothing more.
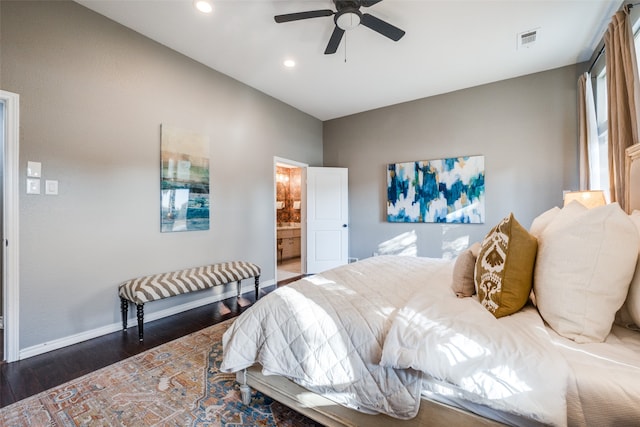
(288, 193)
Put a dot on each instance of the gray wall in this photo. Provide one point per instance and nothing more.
(93, 95)
(525, 127)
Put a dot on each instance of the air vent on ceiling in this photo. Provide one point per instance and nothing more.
(527, 38)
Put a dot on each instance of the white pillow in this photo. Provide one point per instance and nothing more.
(586, 260)
(537, 227)
(632, 303)
(542, 221)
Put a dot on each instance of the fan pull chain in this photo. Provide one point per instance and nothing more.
(345, 47)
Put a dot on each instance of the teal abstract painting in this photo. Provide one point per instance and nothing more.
(184, 159)
(446, 190)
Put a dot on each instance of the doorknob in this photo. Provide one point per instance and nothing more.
(344, 225)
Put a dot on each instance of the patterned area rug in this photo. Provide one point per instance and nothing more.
(175, 384)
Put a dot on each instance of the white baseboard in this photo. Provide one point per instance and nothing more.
(132, 322)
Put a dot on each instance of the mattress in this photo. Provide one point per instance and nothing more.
(435, 391)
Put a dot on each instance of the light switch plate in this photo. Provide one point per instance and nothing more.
(51, 187)
(33, 186)
(34, 169)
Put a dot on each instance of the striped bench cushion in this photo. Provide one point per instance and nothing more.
(158, 286)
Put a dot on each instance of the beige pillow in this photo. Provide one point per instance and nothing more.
(542, 221)
(463, 284)
(586, 259)
(537, 227)
(504, 268)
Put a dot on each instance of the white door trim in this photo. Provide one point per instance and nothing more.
(11, 265)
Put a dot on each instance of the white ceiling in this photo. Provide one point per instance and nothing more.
(449, 45)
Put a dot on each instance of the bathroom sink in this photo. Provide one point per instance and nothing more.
(289, 226)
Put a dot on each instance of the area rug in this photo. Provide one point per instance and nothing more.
(175, 384)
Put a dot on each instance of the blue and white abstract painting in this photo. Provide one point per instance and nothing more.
(184, 180)
(446, 190)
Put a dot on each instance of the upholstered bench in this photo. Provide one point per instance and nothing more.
(158, 286)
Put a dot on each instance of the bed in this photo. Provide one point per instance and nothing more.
(546, 335)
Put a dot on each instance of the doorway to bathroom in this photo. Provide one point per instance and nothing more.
(289, 197)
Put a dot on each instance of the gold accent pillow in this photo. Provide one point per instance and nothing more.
(504, 268)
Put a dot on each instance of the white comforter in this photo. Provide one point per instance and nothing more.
(349, 333)
(326, 333)
(508, 364)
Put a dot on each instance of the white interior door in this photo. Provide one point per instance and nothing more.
(327, 218)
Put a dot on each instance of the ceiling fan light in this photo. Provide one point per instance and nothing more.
(348, 20)
(203, 6)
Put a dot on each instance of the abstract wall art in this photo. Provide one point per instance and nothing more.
(446, 191)
(184, 180)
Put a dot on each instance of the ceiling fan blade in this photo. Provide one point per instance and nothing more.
(334, 41)
(382, 27)
(303, 15)
(369, 3)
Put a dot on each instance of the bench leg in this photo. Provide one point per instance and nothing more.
(239, 286)
(124, 307)
(257, 286)
(140, 315)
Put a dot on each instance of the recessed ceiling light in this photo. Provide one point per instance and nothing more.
(203, 6)
(289, 63)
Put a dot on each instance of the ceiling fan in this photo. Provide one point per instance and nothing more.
(347, 16)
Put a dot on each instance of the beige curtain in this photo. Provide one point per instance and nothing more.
(588, 133)
(623, 97)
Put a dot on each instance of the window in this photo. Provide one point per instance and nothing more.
(601, 180)
(599, 78)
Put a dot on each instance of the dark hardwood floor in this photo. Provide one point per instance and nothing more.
(24, 378)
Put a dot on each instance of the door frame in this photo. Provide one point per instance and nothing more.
(10, 270)
(303, 215)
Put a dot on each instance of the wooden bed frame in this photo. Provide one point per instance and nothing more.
(431, 413)
(331, 414)
(632, 178)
